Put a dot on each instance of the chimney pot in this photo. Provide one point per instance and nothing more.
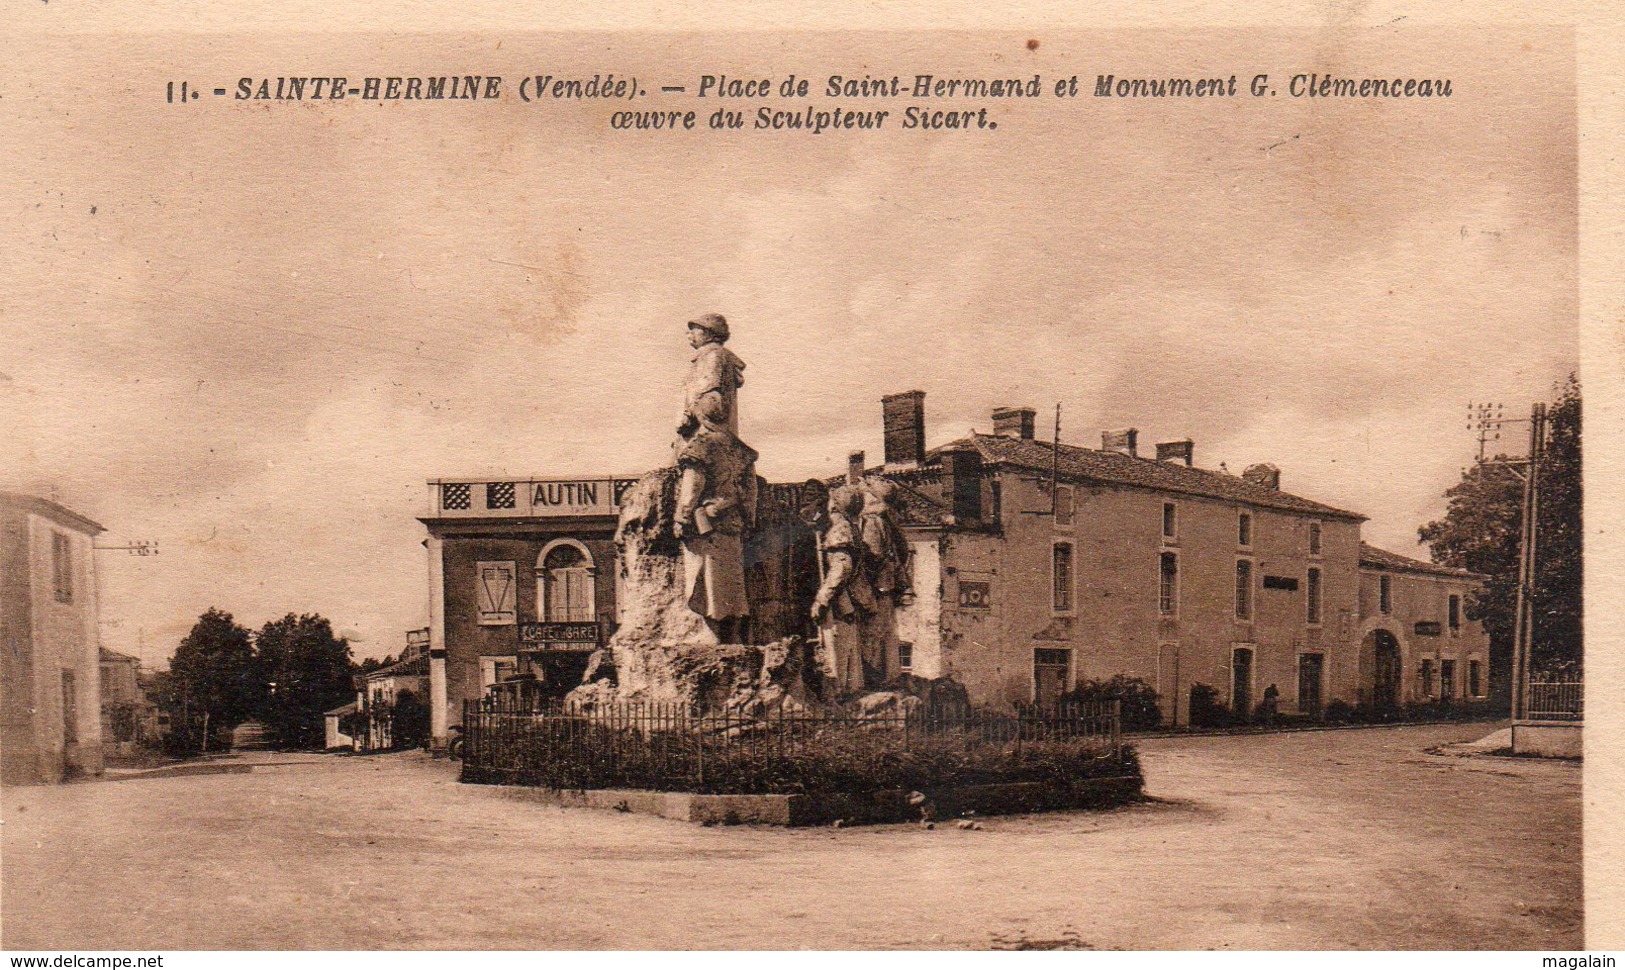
(1014, 422)
(1264, 475)
(1124, 441)
(902, 419)
(962, 472)
(854, 468)
(1184, 451)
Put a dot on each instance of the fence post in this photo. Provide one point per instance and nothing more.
(1117, 728)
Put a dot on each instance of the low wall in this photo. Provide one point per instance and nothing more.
(1547, 739)
(876, 807)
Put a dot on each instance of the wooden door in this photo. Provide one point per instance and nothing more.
(1241, 683)
(1310, 668)
(1386, 675)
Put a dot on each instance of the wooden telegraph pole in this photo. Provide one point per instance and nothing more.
(1489, 422)
(1526, 563)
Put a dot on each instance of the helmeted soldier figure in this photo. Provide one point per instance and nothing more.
(716, 492)
(887, 554)
(846, 597)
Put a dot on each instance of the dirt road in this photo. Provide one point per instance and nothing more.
(1346, 839)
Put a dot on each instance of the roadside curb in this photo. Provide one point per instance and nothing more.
(175, 771)
(802, 810)
(1308, 729)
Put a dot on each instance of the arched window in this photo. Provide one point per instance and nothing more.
(564, 583)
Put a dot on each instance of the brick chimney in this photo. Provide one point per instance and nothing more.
(1184, 451)
(962, 474)
(1263, 474)
(1014, 422)
(902, 418)
(1124, 441)
(854, 468)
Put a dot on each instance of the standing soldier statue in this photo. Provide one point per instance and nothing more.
(716, 490)
(845, 599)
(887, 552)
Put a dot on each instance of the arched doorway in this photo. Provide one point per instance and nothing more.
(1386, 669)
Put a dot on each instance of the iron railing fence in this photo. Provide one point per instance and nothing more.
(1549, 700)
(672, 747)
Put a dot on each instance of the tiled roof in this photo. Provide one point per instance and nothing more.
(918, 508)
(1373, 558)
(415, 667)
(914, 506)
(349, 708)
(1087, 464)
(113, 656)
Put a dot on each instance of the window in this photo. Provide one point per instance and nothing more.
(565, 584)
(1427, 678)
(1064, 499)
(1474, 684)
(1385, 594)
(1170, 520)
(905, 655)
(1455, 614)
(494, 593)
(1314, 538)
(1244, 529)
(62, 566)
(1313, 595)
(1061, 577)
(1052, 669)
(1168, 593)
(1244, 589)
(1447, 679)
(70, 709)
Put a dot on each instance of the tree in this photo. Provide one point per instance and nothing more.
(368, 664)
(1481, 531)
(213, 683)
(307, 670)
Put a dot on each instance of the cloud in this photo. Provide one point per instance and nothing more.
(275, 327)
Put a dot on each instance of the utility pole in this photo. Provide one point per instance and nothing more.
(1488, 420)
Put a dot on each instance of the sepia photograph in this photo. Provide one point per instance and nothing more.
(541, 488)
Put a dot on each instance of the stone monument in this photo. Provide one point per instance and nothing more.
(684, 597)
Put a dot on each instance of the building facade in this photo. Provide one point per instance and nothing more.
(523, 578)
(384, 695)
(50, 659)
(1417, 643)
(521, 585)
(129, 717)
(1037, 566)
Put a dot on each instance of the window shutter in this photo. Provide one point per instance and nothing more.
(494, 593)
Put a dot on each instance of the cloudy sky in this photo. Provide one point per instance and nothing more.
(252, 331)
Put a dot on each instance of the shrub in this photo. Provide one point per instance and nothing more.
(1338, 712)
(409, 727)
(846, 759)
(1206, 708)
(1140, 710)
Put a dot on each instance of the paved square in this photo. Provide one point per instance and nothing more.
(1337, 839)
